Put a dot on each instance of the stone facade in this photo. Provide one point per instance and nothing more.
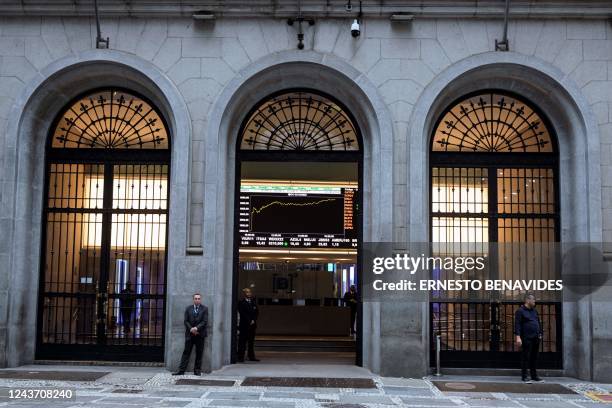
(396, 78)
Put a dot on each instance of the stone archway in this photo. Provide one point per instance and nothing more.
(33, 111)
(580, 183)
(293, 70)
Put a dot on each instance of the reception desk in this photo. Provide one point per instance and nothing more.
(303, 320)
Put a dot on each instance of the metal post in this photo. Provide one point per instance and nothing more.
(100, 42)
(503, 45)
(438, 373)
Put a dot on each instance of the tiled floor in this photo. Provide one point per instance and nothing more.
(155, 387)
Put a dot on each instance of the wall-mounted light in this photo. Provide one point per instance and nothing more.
(299, 20)
(300, 33)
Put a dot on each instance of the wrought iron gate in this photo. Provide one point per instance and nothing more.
(103, 263)
(480, 334)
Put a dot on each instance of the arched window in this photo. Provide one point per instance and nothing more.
(298, 121)
(105, 237)
(494, 187)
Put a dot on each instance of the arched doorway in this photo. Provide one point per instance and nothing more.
(299, 158)
(104, 242)
(494, 167)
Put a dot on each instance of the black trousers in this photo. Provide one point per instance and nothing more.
(529, 356)
(198, 342)
(246, 336)
(353, 317)
(126, 317)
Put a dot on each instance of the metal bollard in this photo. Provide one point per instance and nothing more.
(438, 373)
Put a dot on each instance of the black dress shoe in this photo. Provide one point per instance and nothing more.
(254, 359)
(179, 373)
(240, 360)
(537, 379)
(197, 372)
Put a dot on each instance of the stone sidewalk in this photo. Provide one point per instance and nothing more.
(133, 387)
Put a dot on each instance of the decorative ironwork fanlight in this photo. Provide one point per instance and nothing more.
(299, 121)
(492, 122)
(110, 119)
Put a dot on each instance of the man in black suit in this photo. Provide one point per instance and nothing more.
(126, 307)
(351, 299)
(247, 308)
(196, 320)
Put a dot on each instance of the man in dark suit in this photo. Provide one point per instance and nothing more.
(351, 299)
(247, 308)
(528, 332)
(126, 307)
(196, 320)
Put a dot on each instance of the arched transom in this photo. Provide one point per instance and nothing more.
(492, 122)
(110, 119)
(299, 121)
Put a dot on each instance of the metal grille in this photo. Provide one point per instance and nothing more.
(502, 205)
(103, 273)
(299, 121)
(81, 229)
(470, 326)
(492, 122)
(482, 333)
(525, 191)
(110, 119)
(524, 223)
(459, 222)
(69, 301)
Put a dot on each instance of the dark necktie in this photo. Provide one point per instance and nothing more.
(195, 311)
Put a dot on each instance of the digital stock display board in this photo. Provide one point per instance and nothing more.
(297, 215)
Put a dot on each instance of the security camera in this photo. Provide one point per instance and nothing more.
(355, 31)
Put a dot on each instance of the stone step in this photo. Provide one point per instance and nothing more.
(306, 344)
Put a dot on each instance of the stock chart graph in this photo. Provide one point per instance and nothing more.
(297, 216)
(317, 214)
